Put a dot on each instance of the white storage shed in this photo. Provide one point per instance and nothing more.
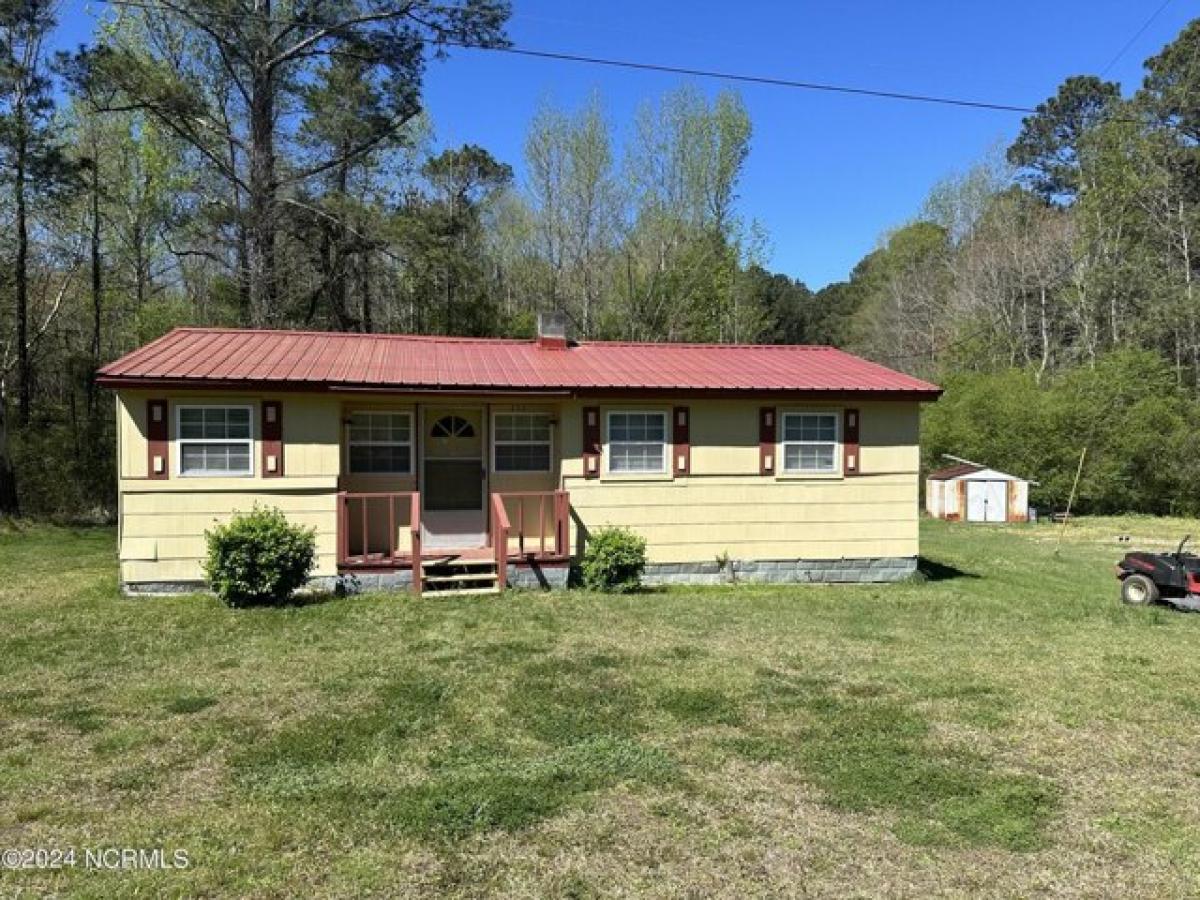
(969, 492)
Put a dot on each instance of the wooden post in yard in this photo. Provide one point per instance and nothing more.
(1071, 499)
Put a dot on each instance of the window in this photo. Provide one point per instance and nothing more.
(215, 440)
(380, 443)
(810, 442)
(522, 442)
(637, 442)
(452, 426)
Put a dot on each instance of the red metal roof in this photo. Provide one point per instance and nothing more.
(212, 357)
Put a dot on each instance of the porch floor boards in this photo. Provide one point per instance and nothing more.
(477, 555)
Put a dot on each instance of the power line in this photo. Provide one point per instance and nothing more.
(745, 78)
(1137, 34)
(636, 65)
(772, 81)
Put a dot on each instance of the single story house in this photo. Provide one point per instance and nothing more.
(971, 492)
(492, 460)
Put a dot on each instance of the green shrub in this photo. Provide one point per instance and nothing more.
(259, 558)
(614, 560)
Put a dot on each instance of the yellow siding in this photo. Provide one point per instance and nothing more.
(722, 507)
(163, 522)
(311, 430)
(570, 440)
(724, 437)
(162, 533)
(373, 483)
(131, 435)
(535, 515)
(697, 519)
(890, 438)
(529, 481)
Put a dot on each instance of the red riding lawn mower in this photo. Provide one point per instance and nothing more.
(1172, 578)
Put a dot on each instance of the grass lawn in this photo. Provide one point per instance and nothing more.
(1002, 727)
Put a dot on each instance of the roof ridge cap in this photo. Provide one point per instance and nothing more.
(479, 339)
(718, 345)
(431, 338)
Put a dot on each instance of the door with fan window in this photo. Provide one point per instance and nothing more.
(454, 478)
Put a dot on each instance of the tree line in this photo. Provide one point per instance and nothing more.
(237, 162)
(1052, 288)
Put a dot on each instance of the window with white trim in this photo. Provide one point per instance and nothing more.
(810, 442)
(521, 442)
(637, 442)
(214, 440)
(380, 443)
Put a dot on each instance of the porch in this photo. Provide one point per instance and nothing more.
(383, 531)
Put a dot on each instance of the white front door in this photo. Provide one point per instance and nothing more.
(453, 479)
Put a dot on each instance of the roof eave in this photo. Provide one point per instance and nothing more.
(112, 381)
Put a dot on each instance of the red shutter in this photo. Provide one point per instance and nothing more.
(766, 440)
(850, 460)
(681, 438)
(272, 439)
(591, 442)
(158, 462)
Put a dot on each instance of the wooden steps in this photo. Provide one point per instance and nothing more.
(455, 575)
(466, 576)
(461, 592)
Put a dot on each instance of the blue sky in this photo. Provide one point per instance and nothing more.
(827, 174)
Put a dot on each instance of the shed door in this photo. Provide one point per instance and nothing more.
(987, 501)
(976, 501)
(997, 501)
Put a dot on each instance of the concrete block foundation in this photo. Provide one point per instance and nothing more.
(873, 570)
(785, 571)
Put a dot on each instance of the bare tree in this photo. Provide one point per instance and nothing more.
(234, 86)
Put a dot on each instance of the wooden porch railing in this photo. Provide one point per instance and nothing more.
(538, 521)
(499, 531)
(540, 531)
(360, 505)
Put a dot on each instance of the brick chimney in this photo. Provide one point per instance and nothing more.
(552, 331)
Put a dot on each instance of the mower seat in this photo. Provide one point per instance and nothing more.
(1190, 562)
